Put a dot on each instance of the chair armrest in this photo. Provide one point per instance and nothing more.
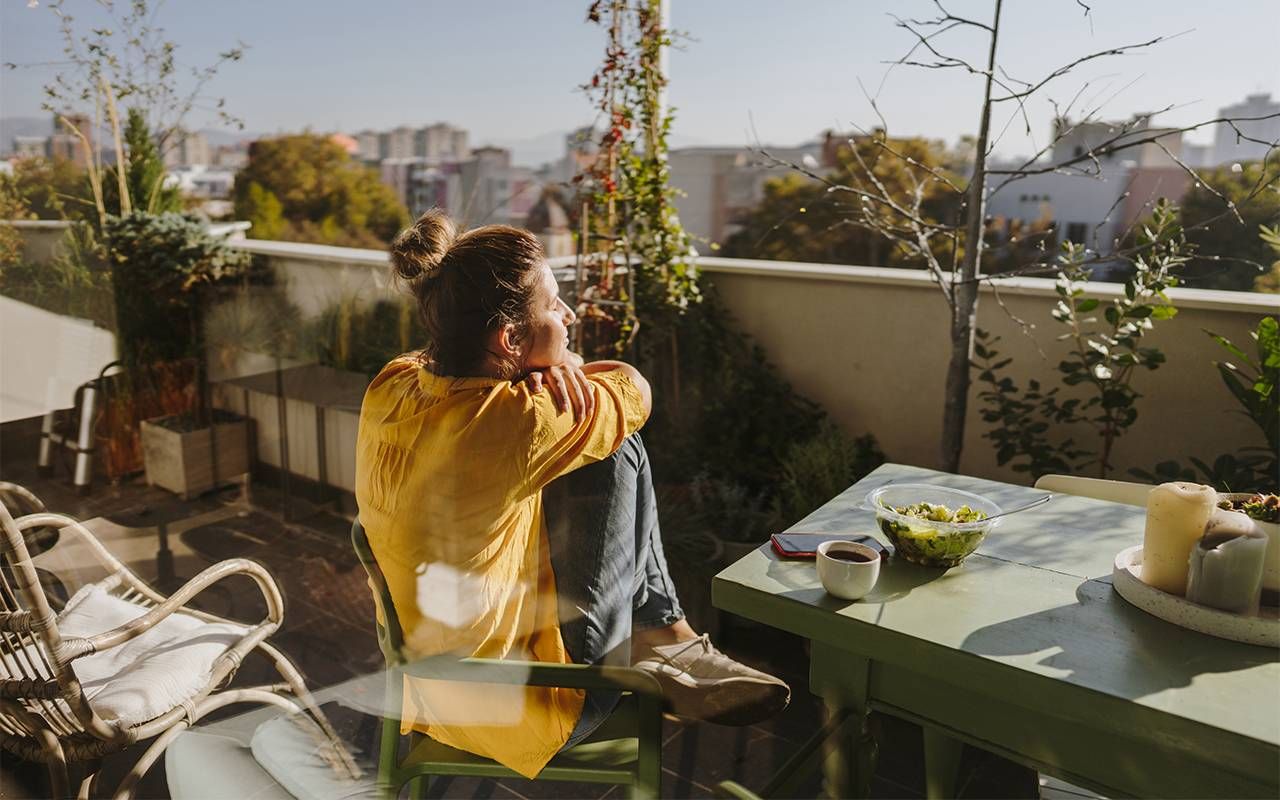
(140, 625)
(533, 673)
(62, 522)
(735, 790)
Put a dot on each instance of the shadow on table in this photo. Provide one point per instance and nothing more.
(1101, 640)
(897, 579)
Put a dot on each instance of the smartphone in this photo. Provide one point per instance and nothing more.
(805, 545)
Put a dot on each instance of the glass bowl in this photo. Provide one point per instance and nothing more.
(927, 542)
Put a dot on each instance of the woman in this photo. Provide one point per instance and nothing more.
(456, 446)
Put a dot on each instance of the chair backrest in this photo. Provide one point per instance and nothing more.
(390, 635)
(1126, 492)
(39, 686)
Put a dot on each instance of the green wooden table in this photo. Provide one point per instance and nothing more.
(1024, 650)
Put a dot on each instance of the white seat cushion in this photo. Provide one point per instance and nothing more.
(205, 766)
(292, 749)
(150, 674)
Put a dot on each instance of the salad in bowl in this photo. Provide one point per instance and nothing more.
(932, 525)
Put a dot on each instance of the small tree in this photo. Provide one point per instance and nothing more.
(127, 61)
(961, 270)
(1105, 354)
(1235, 257)
(306, 187)
(800, 220)
(144, 173)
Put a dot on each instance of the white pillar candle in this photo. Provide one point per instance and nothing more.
(1226, 565)
(1176, 516)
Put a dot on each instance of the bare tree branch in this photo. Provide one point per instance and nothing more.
(1117, 144)
(1064, 69)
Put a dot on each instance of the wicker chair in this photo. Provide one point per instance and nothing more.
(47, 715)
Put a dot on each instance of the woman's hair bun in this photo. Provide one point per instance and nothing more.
(417, 252)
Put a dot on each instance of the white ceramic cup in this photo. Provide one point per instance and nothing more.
(848, 580)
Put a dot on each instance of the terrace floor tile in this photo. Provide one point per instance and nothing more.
(328, 632)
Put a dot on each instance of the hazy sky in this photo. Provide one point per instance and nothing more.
(507, 69)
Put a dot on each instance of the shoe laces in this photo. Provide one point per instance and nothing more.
(704, 640)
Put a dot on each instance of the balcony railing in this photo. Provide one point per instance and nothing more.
(870, 345)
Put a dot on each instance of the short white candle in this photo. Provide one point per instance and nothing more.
(1226, 565)
(1176, 516)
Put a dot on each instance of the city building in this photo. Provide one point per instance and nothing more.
(550, 221)
(493, 190)
(367, 145)
(438, 142)
(441, 142)
(201, 181)
(1196, 155)
(187, 148)
(1094, 201)
(232, 157)
(397, 143)
(1228, 148)
(398, 173)
(30, 146)
(67, 144)
(716, 185)
(435, 186)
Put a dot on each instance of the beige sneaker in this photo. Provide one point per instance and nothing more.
(701, 682)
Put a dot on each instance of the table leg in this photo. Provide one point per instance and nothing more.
(941, 764)
(842, 679)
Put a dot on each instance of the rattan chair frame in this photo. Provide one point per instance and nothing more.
(44, 713)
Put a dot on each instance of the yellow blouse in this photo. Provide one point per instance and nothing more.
(449, 477)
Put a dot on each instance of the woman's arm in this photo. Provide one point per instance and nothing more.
(569, 387)
(631, 372)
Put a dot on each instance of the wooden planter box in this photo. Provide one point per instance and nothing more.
(187, 462)
(319, 407)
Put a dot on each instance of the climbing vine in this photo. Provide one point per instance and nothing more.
(635, 266)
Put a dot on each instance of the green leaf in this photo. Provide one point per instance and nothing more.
(1268, 334)
(1228, 346)
(1112, 315)
(1086, 305)
(1163, 312)
(1140, 312)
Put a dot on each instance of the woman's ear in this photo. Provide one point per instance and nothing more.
(508, 345)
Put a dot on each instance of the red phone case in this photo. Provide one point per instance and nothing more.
(819, 538)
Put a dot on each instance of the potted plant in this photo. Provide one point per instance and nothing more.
(164, 266)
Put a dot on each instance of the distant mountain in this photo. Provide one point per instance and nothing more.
(43, 126)
(531, 152)
(538, 150)
(22, 126)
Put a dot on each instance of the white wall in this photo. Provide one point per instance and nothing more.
(43, 358)
(871, 346)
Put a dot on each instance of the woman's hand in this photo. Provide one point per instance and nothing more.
(569, 387)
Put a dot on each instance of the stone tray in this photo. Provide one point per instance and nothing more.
(1260, 630)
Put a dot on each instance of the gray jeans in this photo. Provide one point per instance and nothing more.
(611, 574)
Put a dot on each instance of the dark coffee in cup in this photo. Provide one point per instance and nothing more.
(849, 555)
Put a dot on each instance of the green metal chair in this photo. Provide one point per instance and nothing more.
(800, 767)
(625, 750)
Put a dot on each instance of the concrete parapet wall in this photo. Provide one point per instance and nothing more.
(870, 344)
